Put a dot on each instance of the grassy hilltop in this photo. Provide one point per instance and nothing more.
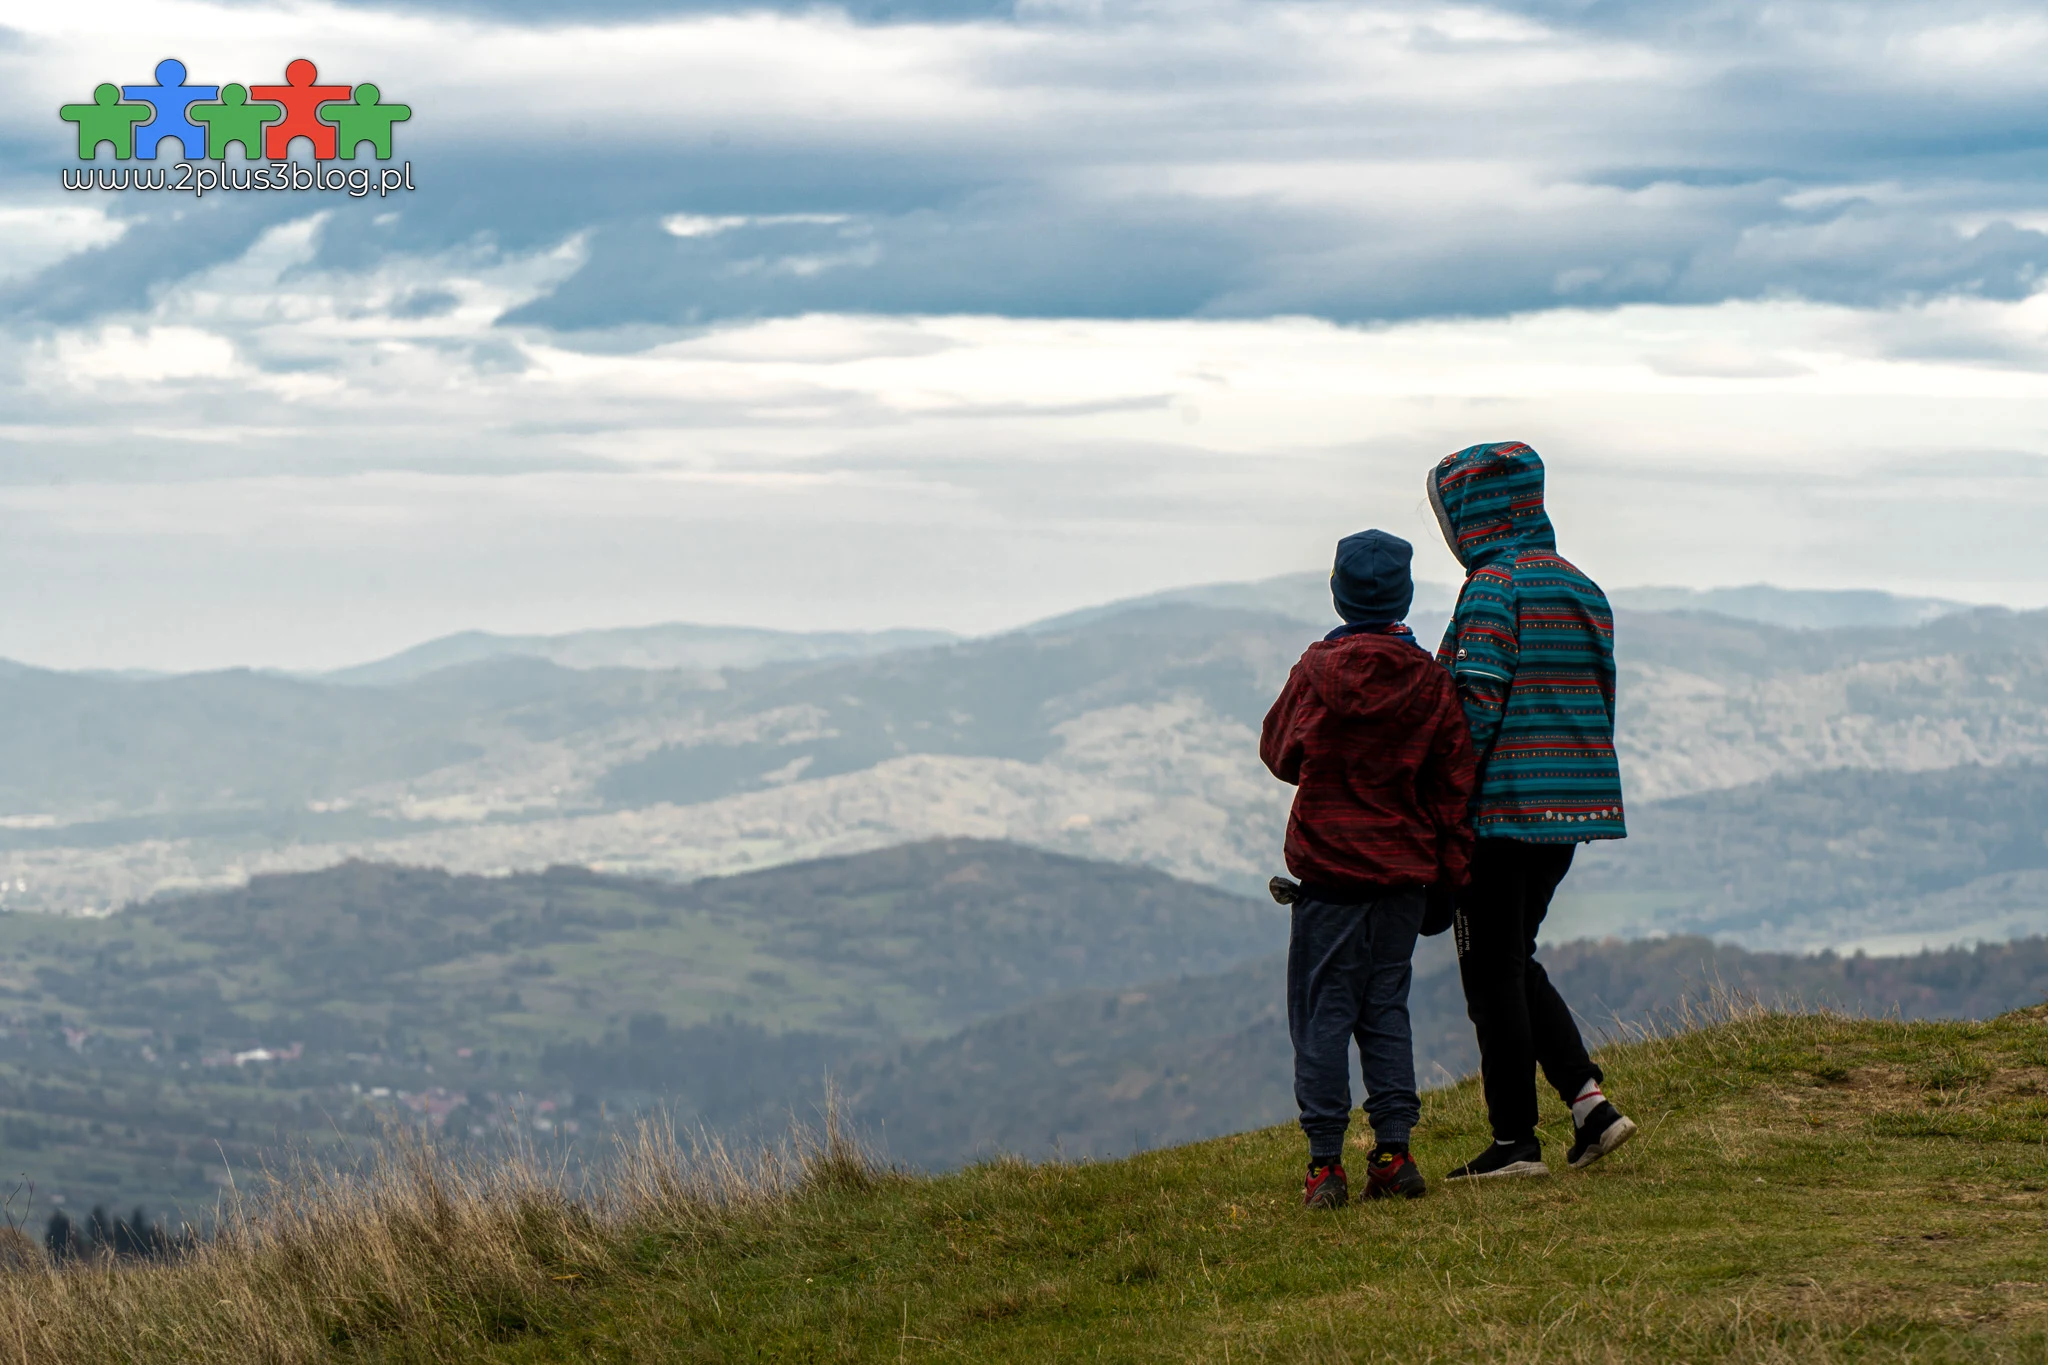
(1806, 1187)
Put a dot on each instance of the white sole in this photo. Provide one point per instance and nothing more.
(1513, 1168)
(1618, 1132)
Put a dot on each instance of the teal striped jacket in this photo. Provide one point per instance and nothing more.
(1531, 648)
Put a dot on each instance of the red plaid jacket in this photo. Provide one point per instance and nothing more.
(1370, 730)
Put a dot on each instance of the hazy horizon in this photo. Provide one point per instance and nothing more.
(985, 629)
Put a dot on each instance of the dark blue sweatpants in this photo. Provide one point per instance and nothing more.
(1348, 969)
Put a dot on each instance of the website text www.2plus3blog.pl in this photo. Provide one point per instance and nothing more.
(200, 178)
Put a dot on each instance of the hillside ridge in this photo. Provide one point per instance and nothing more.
(1805, 1187)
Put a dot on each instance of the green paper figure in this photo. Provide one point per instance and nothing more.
(364, 120)
(106, 119)
(234, 120)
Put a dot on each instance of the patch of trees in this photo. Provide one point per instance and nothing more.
(102, 1236)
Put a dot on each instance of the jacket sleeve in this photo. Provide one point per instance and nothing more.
(1605, 671)
(1280, 744)
(1445, 786)
(1484, 650)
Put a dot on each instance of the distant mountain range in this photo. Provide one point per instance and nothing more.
(670, 646)
(1127, 733)
(1302, 597)
(1305, 597)
(1800, 608)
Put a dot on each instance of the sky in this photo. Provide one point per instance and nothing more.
(955, 313)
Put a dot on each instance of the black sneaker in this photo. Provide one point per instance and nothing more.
(1504, 1159)
(1605, 1129)
(1393, 1174)
(1325, 1187)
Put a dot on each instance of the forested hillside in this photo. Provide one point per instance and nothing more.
(966, 996)
(146, 1054)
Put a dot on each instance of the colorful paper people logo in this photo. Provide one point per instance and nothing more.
(134, 121)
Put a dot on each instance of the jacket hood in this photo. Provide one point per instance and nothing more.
(1371, 677)
(1489, 502)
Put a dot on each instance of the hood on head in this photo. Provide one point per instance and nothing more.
(1488, 502)
(1372, 678)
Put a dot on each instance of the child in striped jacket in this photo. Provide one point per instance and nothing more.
(1531, 649)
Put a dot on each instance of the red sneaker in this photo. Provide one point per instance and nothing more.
(1325, 1188)
(1393, 1174)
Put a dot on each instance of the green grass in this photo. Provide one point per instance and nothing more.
(1805, 1187)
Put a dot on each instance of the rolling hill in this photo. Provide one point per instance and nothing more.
(675, 645)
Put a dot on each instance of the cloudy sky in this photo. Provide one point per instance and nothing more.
(956, 313)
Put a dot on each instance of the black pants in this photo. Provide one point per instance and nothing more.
(1522, 1021)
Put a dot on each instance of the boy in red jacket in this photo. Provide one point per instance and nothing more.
(1370, 730)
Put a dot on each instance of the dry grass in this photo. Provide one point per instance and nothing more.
(434, 1252)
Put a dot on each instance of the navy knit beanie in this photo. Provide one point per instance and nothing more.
(1370, 582)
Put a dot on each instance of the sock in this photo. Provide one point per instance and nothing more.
(1318, 1162)
(1589, 1099)
(1391, 1149)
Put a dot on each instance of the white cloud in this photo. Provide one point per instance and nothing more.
(700, 225)
(39, 235)
(128, 356)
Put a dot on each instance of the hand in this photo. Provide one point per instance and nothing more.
(1440, 906)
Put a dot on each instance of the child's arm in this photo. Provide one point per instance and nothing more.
(1444, 786)
(1605, 671)
(1484, 655)
(1280, 746)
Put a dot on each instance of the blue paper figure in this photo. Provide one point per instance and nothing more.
(171, 98)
